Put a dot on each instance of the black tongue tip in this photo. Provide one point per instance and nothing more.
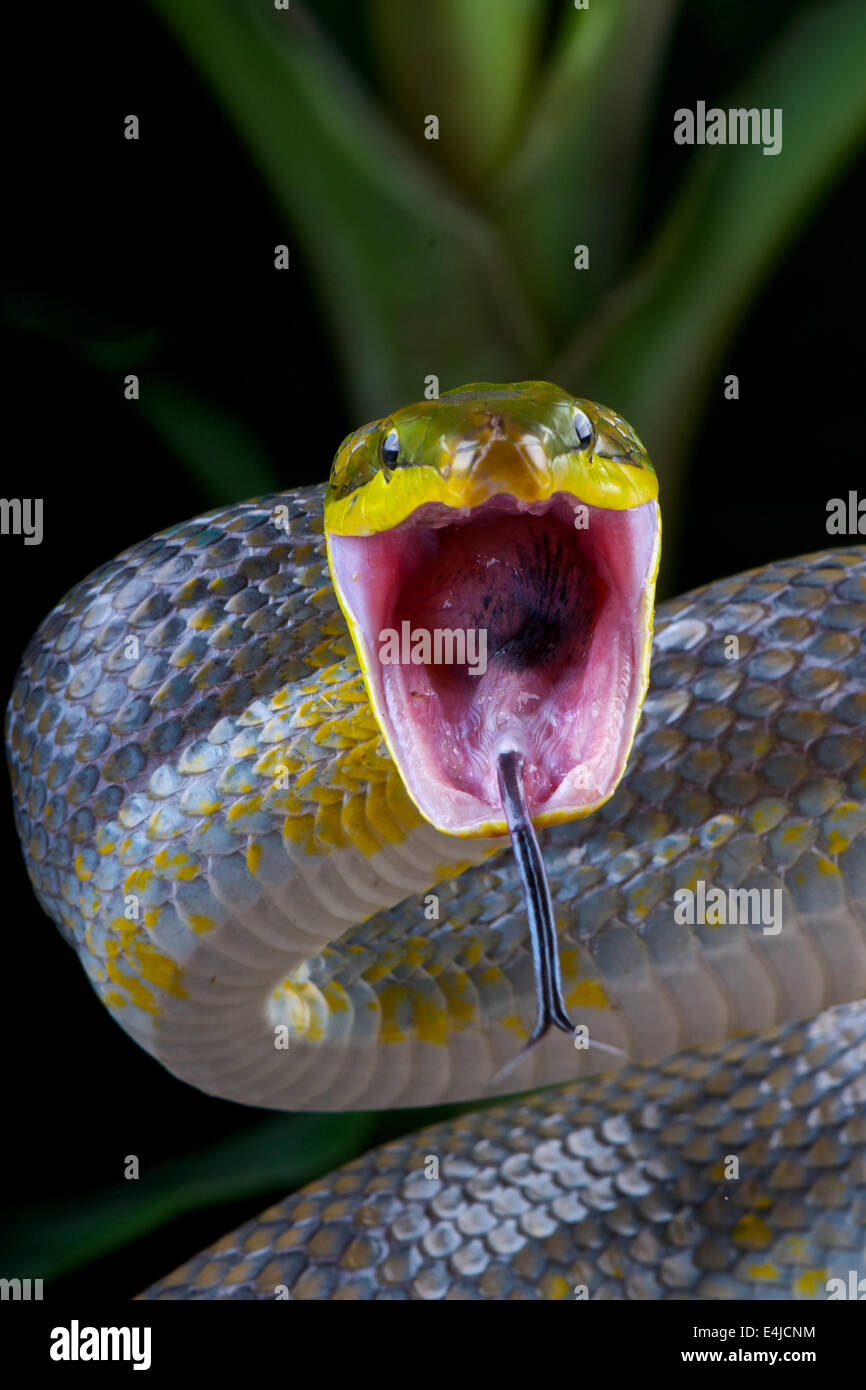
(539, 906)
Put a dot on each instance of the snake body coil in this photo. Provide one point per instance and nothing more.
(209, 811)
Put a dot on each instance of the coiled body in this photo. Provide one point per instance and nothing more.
(724, 1173)
(211, 815)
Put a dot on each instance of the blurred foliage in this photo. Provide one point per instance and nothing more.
(282, 1152)
(455, 257)
(470, 65)
(275, 1156)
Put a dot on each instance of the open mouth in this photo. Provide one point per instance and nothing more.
(511, 625)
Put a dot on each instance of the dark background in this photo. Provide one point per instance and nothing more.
(173, 236)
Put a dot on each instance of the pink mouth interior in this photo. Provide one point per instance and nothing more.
(562, 611)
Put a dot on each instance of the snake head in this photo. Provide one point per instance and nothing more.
(495, 552)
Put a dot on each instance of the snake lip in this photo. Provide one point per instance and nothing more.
(510, 624)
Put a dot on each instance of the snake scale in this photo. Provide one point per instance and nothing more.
(211, 813)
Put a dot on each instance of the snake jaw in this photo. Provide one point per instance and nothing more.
(558, 595)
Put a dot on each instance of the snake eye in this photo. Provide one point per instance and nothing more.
(390, 449)
(582, 429)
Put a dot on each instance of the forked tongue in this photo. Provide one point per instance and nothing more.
(539, 910)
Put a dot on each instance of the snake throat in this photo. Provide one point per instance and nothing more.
(545, 606)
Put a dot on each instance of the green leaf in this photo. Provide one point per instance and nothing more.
(468, 65)
(109, 346)
(282, 1153)
(656, 344)
(574, 178)
(215, 448)
(413, 283)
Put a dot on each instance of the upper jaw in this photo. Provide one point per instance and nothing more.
(563, 594)
(493, 460)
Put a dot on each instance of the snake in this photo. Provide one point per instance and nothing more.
(400, 791)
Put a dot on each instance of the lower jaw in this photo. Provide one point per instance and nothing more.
(509, 626)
